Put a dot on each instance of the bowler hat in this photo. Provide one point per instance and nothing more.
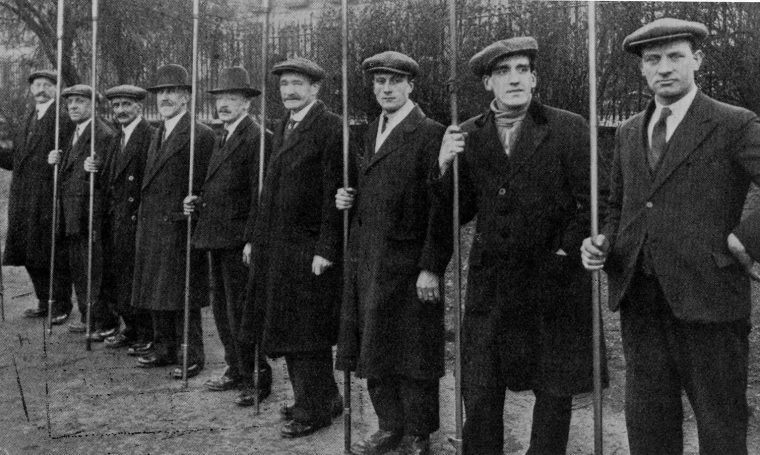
(170, 76)
(482, 62)
(235, 79)
(47, 74)
(126, 91)
(82, 90)
(300, 65)
(663, 30)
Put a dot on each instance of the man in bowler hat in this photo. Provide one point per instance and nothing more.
(676, 251)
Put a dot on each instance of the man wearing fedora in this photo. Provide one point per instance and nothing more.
(159, 275)
(296, 249)
(122, 177)
(30, 203)
(227, 200)
(677, 254)
(75, 209)
(392, 329)
(528, 326)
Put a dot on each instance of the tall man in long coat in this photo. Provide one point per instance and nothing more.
(296, 248)
(30, 204)
(75, 209)
(528, 326)
(392, 329)
(226, 203)
(159, 276)
(676, 250)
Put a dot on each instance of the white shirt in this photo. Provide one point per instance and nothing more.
(677, 113)
(394, 119)
(299, 116)
(171, 123)
(127, 130)
(80, 130)
(42, 108)
(232, 126)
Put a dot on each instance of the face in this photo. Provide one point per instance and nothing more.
(125, 110)
(669, 69)
(391, 90)
(297, 91)
(43, 90)
(231, 106)
(171, 101)
(512, 82)
(79, 107)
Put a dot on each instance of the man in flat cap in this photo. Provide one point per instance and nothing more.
(227, 201)
(392, 328)
(122, 177)
(75, 209)
(296, 248)
(528, 326)
(30, 204)
(676, 250)
(159, 275)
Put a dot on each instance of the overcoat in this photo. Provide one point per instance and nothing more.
(296, 220)
(385, 328)
(123, 170)
(159, 277)
(30, 204)
(686, 210)
(523, 295)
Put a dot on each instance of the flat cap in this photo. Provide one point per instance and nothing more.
(126, 91)
(665, 29)
(77, 90)
(391, 62)
(47, 74)
(482, 62)
(300, 65)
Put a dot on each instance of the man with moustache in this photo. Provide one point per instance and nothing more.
(227, 200)
(75, 209)
(122, 177)
(159, 276)
(392, 328)
(30, 204)
(296, 249)
(528, 326)
(677, 254)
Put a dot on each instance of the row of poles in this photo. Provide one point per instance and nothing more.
(456, 440)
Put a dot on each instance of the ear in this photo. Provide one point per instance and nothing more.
(315, 88)
(411, 86)
(533, 80)
(487, 83)
(698, 59)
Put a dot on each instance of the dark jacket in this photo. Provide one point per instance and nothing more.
(525, 302)
(159, 277)
(686, 210)
(385, 328)
(30, 205)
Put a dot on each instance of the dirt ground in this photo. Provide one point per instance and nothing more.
(69, 401)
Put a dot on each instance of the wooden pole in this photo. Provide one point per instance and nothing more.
(93, 115)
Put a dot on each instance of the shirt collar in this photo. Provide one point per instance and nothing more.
(233, 126)
(394, 118)
(678, 109)
(82, 126)
(171, 123)
(132, 125)
(43, 107)
(299, 116)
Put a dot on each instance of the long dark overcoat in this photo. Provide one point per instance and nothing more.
(30, 205)
(297, 219)
(159, 277)
(123, 170)
(533, 304)
(385, 328)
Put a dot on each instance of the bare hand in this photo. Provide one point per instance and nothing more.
(428, 287)
(319, 265)
(736, 248)
(188, 205)
(344, 198)
(54, 157)
(594, 253)
(452, 145)
(93, 164)
(247, 249)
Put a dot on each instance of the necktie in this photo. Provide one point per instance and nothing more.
(224, 138)
(289, 128)
(384, 124)
(76, 136)
(659, 135)
(123, 141)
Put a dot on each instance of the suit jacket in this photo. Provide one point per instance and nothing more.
(686, 210)
(229, 196)
(161, 225)
(385, 328)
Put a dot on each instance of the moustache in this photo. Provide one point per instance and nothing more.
(167, 104)
(292, 98)
(40, 94)
(225, 111)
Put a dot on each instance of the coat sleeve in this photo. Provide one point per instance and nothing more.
(203, 149)
(254, 160)
(438, 239)
(330, 233)
(615, 193)
(6, 158)
(747, 155)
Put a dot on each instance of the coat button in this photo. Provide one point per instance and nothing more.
(649, 204)
(203, 205)
(502, 191)
(134, 217)
(131, 199)
(131, 178)
(166, 218)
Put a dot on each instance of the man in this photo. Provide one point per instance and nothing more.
(30, 204)
(528, 326)
(228, 199)
(160, 244)
(675, 250)
(75, 210)
(392, 330)
(123, 179)
(296, 247)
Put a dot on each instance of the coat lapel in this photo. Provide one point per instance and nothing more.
(42, 125)
(301, 131)
(397, 138)
(487, 143)
(73, 152)
(175, 143)
(132, 150)
(220, 155)
(533, 132)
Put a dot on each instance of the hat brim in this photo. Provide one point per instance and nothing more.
(32, 78)
(247, 91)
(125, 95)
(157, 88)
(488, 68)
(291, 69)
(635, 47)
(386, 69)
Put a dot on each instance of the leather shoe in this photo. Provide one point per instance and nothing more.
(77, 327)
(193, 369)
(415, 445)
(116, 341)
(296, 429)
(221, 384)
(379, 443)
(140, 349)
(35, 313)
(336, 408)
(99, 336)
(152, 359)
(248, 396)
(59, 319)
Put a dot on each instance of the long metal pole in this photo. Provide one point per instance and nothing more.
(596, 275)
(94, 84)
(193, 96)
(57, 140)
(344, 96)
